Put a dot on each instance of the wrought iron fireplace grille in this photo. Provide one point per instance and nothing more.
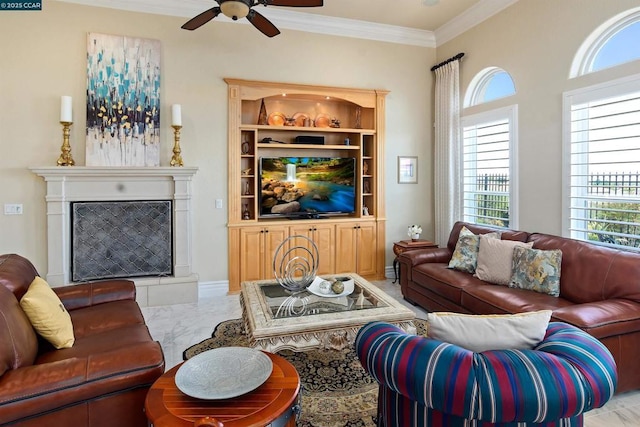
(118, 239)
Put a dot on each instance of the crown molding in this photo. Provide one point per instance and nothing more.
(471, 17)
(320, 24)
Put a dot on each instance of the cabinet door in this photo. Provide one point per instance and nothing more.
(346, 248)
(323, 235)
(274, 235)
(257, 248)
(324, 238)
(251, 253)
(366, 245)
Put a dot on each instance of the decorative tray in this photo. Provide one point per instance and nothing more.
(314, 288)
(223, 373)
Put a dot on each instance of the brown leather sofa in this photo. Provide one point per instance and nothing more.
(599, 291)
(101, 381)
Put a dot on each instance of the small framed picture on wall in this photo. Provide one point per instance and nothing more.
(407, 170)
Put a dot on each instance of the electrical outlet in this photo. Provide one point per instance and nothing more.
(12, 209)
(218, 203)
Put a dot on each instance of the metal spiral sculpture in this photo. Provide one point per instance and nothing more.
(296, 267)
(293, 306)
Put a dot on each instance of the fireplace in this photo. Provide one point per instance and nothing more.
(165, 192)
(111, 240)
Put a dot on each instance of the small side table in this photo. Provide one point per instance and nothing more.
(273, 403)
(406, 246)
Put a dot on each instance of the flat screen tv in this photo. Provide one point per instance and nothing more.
(307, 187)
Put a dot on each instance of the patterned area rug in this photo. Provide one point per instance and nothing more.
(336, 391)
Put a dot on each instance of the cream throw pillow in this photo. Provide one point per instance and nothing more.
(495, 260)
(491, 332)
(47, 314)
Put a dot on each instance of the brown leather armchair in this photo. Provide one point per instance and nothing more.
(101, 381)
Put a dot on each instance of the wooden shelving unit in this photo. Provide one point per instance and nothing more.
(353, 243)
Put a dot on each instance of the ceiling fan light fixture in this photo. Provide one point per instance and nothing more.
(234, 9)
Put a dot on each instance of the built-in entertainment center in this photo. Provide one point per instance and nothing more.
(305, 160)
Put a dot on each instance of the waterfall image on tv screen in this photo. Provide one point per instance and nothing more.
(306, 186)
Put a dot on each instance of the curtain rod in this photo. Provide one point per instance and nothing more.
(454, 58)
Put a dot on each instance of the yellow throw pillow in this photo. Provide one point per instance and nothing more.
(47, 314)
(489, 332)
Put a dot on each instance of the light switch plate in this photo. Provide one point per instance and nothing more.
(12, 209)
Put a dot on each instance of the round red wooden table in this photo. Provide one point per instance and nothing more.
(275, 401)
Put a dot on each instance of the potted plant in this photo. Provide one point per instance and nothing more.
(414, 232)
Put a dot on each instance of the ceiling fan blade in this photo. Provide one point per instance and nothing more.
(295, 3)
(262, 24)
(200, 20)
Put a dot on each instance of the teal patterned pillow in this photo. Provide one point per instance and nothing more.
(536, 270)
(465, 254)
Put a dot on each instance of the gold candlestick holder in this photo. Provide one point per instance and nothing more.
(176, 160)
(65, 158)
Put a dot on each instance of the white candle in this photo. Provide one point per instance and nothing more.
(66, 111)
(176, 115)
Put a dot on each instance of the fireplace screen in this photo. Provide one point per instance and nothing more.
(118, 239)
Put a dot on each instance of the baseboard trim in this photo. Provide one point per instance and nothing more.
(213, 289)
(388, 272)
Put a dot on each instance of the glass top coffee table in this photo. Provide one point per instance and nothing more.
(275, 319)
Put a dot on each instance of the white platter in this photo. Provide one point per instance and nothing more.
(223, 373)
(314, 288)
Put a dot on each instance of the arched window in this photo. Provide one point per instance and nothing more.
(613, 43)
(602, 140)
(489, 84)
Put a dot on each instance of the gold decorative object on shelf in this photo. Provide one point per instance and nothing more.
(246, 171)
(262, 117)
(176, 160)
(65, 158)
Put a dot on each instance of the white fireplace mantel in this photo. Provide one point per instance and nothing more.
(83, 184)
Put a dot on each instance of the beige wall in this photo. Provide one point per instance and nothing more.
(43, 56)
(536, 41)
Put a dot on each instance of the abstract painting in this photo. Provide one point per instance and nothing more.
(123, 101)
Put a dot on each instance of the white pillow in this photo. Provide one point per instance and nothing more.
(495, 258)
(489, 332)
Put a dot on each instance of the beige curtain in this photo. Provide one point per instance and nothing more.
(448, 151)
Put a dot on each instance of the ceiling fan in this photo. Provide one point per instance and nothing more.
(237, 9)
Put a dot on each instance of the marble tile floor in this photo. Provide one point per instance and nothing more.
(179, 326)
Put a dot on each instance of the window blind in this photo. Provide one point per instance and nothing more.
(486, 171)
(604, 179)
